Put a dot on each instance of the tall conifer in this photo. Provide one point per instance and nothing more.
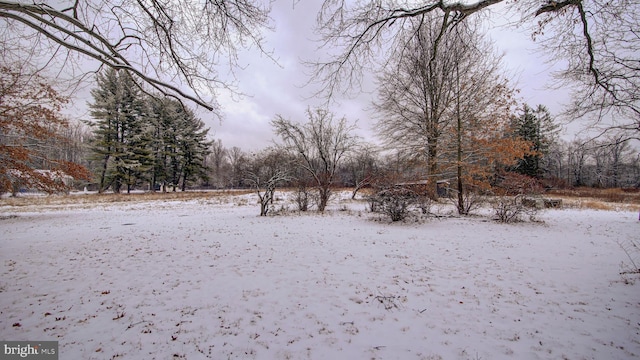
(120, 130)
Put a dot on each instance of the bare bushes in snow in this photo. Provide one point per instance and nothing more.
(397, 202)
(632, 249)
(509, 209)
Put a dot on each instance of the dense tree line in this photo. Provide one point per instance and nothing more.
(604, 162)
(549, 162)
(144, 142)
(143, 139)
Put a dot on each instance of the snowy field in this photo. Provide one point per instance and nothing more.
(208, 279)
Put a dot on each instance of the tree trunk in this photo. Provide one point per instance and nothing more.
(324, 193)
(103, 174)
(461, 209)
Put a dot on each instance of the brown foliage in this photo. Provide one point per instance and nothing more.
(513, 184)
(30, 123)
(486, 149)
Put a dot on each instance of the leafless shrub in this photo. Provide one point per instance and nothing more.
(507, 209)
(471, 200)
(424, 204)
(302, 196)
(373, 203)
(282, 209)
(394, 202)
(511, 209)
(632, 249)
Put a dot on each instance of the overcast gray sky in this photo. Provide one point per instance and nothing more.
(279, 88)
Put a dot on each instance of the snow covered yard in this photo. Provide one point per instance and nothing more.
(208, 279)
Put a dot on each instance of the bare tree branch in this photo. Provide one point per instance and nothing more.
(321, 145)
(163, 44)
(597, 40)
(555, 6)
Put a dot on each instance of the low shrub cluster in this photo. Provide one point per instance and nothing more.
(509, 209)
(398, 202)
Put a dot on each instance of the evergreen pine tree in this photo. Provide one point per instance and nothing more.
(195, 147)
(537, 127)
(162, 142)
(160, 120)
(179, 144)
(120, 132)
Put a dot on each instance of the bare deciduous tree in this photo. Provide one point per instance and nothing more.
(607, 162)
(76, 147)
(362, 31)
(416, 92)
(237, 161)
(597, 41)
(482, 110)
(266, 171)
(164, 44)
(362, 167)
(445, 102)
(577, 156)
(619, 149)
(217, 157)
(611, 162)
(320, 145)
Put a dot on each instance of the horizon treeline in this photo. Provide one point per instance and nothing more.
(135, 140)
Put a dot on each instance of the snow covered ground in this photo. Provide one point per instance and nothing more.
(208, 279)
